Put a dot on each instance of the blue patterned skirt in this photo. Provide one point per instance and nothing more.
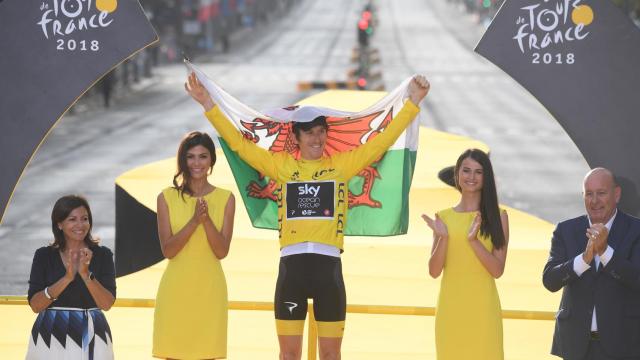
(70, 333)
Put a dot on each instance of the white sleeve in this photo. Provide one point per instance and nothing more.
(579, 266)
(606, 256)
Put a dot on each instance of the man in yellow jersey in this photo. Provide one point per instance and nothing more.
(312, 210)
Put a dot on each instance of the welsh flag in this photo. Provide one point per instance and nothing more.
(378, 195)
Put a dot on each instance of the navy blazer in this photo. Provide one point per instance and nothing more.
(614, 290)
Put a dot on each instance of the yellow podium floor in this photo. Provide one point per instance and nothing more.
(378, 271)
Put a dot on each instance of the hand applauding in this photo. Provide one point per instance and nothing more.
(475, 227)
(437, 226)
(71, 258)
(202, 210)
(599, 235)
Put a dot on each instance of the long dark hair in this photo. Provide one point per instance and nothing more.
(191, 140)
(491, 221)
(61, 210)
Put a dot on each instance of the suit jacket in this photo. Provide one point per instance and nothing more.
(614, 290)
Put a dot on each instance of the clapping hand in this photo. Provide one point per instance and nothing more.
(475, 227)
(202, 210)
(587, 255)
(599, 235)
(84, 259)
(71, 259)
(438, 226)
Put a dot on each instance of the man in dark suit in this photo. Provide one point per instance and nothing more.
(595, 259)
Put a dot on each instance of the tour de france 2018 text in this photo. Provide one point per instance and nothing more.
(553, 58)
(77, 45)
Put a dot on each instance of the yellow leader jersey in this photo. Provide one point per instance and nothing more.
(312, 194)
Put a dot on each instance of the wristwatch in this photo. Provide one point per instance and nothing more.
(90, 277)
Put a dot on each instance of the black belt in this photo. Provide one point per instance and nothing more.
(595, 335)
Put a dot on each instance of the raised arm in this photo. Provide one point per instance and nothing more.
(365, 154)
(259, 158)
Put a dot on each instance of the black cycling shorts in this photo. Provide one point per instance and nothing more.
(310, 276)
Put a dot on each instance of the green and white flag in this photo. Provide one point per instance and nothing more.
(378, 195)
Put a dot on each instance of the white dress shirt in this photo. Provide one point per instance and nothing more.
(579, 266)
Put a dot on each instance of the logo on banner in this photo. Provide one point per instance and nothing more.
(66, 21)
(544, 27)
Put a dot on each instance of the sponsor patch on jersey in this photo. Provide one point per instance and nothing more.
(310, 200)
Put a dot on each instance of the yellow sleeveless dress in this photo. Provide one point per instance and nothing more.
(468, 313)
(190, 319)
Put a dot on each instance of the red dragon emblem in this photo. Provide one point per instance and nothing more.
(344, 134)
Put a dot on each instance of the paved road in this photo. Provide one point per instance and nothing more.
(539, 169)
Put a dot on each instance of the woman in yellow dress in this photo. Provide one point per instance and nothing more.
(470, 248)
(195, 225)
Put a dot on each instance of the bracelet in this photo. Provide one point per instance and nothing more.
(89, 278)
(47, 295)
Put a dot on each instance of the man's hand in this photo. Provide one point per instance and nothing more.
(198, 92)
(587, 255)
(599, 234)
(418, 88)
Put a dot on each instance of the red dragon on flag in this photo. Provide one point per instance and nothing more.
(344, 134)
